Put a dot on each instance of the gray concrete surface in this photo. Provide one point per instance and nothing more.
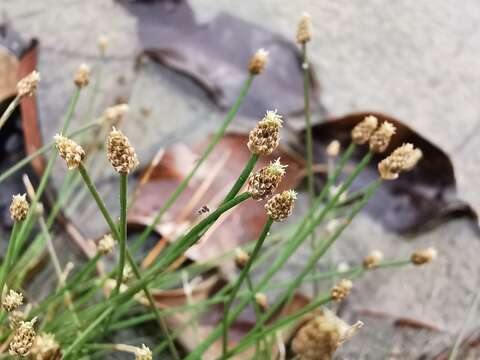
(415, 60)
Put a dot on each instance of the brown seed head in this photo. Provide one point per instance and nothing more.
(45, 347)
(70, 151)
(320, 337)
(121, 154)
(82, 76)
(363, 130)
(341, 290)
(143, 353)
(23, 338)
(19, 207)
(241, 258)
(304, 29)
(280, 206)
(263, 139)
(106, 245)
(262, 301)
(116, 113)
(28, 85)
(12, 301)
(258, 62)
(262, 184)
(380, 139)
(424, 256)
(372, 260)
(333, 149)
(403, 158)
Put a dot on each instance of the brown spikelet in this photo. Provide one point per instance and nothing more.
(241, 258)
(45, 347)
(12, 301)
(372, 260)
(280, 206)
(106, 245)
(82, 76)
(263, 139)
(424, 256)
(262, 301)
(403, 158)
(262, 183)
(340, 291)
(363, 130)
(23, 338)
(380, 139)
(120, 153)
(304, 29)
(258, 62)
(19, 207)
(70, 151)
(28, 85)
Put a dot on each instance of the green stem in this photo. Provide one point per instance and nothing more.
(9, 111)
(9, 257)
(240, 279)
(122, 232)
(181, 187)
(256, 307)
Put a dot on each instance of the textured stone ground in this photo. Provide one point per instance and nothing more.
(417, 61)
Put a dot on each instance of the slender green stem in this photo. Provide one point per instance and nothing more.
(181, 187)
(10, 252)
(122, 232)
(256, 307)
(240, 279)
(9, 111)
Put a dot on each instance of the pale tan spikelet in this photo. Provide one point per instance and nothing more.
(241, 258)
(264, 138)
(143, 353)
(304, 32)
(321, 336)
(15, 317)
(262, 301)
(262, 183)
(380, 139)
(340, 291)
(70, 151)
(116, 113)
(82, 76)
(23, 338)
(106, 245)
(103, 43)
(12, 301)
(364, 129)
(28, 85)
(45, 347)
(424, 256)
(403, 158)
(258, 62)
(19, 207)
(280, 206)
(127, 274)
(333, 148)
(120, 153)
(372, 260)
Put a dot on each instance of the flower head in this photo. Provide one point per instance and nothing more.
(280, 206)
(120, 153)
(12, 301)
(372, 260)
(19, 207)
(106, 245)
(304, 29)
(23, 338)
(380, 139)
(70, 151)
(363, 130)
(241, 258)
(341, 290)
(116, 113)
(320, 337)
(28, 85)
(82, 76)
(45, 347)
(333, 148)
(258, 62)
(262, 184)
(263, 139)
(424, 256)
(143, 353)
(262, 301)
(403, 158)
